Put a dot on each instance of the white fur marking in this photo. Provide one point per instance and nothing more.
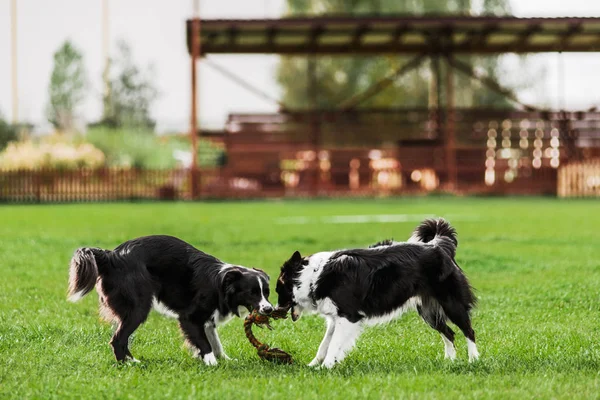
(163, 309)
(324, 346)
(214, 340)
(209, 359)
(410, 304)
(449, 348)
(221, 319)
(263, 302)
(243, 311)
(327, 307)
(307, 279)
(75, 297)
(344, 337)
(414, 239)
(473, 353)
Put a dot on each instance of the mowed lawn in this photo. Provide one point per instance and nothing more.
(534, 262)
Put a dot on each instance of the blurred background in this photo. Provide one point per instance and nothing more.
(107, 100)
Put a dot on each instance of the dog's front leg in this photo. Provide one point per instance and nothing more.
(344, 337)
(322, 352)
(195, 334)
(215, 342)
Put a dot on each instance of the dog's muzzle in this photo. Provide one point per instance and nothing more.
(266, 310)
(295, 314)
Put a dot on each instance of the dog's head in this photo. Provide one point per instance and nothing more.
(243, 287)
(285, 284)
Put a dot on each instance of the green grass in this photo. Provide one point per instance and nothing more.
(535, 264)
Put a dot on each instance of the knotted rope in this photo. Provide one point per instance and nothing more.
(264, 351)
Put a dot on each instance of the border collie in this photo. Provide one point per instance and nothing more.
(176, 279)
(353, 288)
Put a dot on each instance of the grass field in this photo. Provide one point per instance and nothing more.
(534, 262)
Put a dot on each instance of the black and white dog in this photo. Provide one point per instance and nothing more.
(353, 288)
(176, 279)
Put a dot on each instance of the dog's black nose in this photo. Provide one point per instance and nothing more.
(267, 310)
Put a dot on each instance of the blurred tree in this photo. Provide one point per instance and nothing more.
(8, 133)
(67, 87)
(131, 93)
(338, 78)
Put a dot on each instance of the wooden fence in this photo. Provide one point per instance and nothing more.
(580, 179)
(110, 184)
(82, 185)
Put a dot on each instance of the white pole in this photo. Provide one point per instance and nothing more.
(106, 47)
(15, 87)
(561, 82)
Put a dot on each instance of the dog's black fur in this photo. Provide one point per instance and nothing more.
(196, 286)
(373, 282)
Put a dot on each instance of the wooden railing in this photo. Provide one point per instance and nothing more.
(580, 179)
(81, 185)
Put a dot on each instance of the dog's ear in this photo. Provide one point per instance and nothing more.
(291, 265)
(296, 257)
(227, 292)
(226, 295)
(231, 276)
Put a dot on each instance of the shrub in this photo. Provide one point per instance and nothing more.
(32, 155)
(141, 148)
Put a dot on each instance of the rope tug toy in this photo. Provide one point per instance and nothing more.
(264, 351)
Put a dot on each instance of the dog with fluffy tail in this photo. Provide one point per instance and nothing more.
(355, 288)
(83, 272)
(175, 278)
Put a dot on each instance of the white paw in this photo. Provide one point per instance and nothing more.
(315, 362)
(328, 364)
(474, 356)
(450, 355)
(131, 359)
(209, 359)
(473, 353)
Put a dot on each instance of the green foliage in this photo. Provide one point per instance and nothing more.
(534, 263)
(8, 133)
(340, 77)
(140, 148)
(67, 88)
(131, 93)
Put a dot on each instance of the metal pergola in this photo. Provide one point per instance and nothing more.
(421, 36)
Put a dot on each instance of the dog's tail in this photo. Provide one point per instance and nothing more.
(438, 232)
(441, 234)
(83, 271)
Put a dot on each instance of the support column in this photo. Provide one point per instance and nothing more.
(435, 95)
(315, 128)
(450, 139)
(194, 131)
(434, 83)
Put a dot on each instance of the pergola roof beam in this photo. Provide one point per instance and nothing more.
(399, 35)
